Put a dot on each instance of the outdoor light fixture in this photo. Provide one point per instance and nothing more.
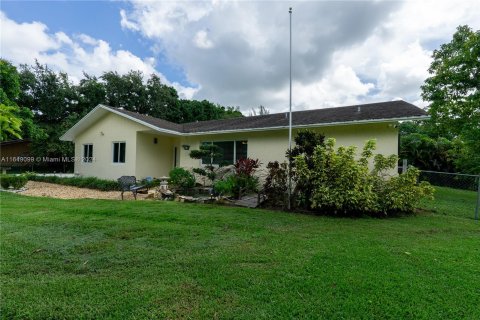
(186, 147)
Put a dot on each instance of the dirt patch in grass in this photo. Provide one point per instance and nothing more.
(43, 189)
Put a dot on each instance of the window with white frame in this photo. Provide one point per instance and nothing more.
(231, 152)
(119, 152)
(87, 153)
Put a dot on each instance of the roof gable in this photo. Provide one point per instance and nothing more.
(101, 110)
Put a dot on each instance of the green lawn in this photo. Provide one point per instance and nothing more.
(140, 260)
(453, 202)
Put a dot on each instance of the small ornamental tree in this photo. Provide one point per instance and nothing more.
(209, 152)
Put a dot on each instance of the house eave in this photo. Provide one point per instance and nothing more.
(93, 116)
(314, 125)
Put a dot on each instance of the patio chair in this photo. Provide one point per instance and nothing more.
(129, 183)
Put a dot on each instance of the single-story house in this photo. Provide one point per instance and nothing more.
(111, 142)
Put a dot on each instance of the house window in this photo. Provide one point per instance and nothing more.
(231, 152)
(87, 153)
(119, 152)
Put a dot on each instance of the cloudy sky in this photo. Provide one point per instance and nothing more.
(236, 52)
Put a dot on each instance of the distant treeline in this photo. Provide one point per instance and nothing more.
(47, 103)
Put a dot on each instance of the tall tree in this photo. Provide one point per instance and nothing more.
(126, 91)
(162, 98)
(91, 92)
(10, 83)
(10, 123)
(453, 91)
(50, 95)
(52, 98)
(17, 121)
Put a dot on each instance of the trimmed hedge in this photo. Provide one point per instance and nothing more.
(81, 182)
(14, 181)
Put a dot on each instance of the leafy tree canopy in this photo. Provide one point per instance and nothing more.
(41, 104)
(9, 123)
(453, 91)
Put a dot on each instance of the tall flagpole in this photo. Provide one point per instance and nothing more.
(290, 121)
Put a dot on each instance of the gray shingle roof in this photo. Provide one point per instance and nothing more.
(164, 124)
(365, 112)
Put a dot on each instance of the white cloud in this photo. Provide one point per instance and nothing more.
(339, 87)
(25, 42)
(201, 40)
(236, 52)
(344, 52)
(127, 24)
(164, 17)
(19, 41)
(88, 40)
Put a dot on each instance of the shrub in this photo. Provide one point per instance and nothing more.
(346, 186)
(5, 181)
(224, 187)
(275, 186)
(246, 166)
(242, 181)
(18, 182)
(236, 185)
(402, 193)
(305, 143)
(181, 178)
(243, 184)
(14, 181)
(80, 182)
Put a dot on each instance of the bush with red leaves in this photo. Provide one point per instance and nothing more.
(246, 166)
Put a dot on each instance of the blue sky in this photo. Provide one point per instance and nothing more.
(236, 53)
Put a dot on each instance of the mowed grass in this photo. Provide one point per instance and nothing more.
(453, 202)
(100, 259)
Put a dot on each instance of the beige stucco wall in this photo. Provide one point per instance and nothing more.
(386, 135)
(271, 145)
(154, 160)
(110, 128)
(144, 158)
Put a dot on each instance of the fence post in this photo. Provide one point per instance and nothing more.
(404, 165)
(478, 199)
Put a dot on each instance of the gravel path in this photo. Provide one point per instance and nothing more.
(43, 189)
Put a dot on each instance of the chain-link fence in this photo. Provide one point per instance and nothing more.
(458, 187)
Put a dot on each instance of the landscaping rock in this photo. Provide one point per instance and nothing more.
(224, 172)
